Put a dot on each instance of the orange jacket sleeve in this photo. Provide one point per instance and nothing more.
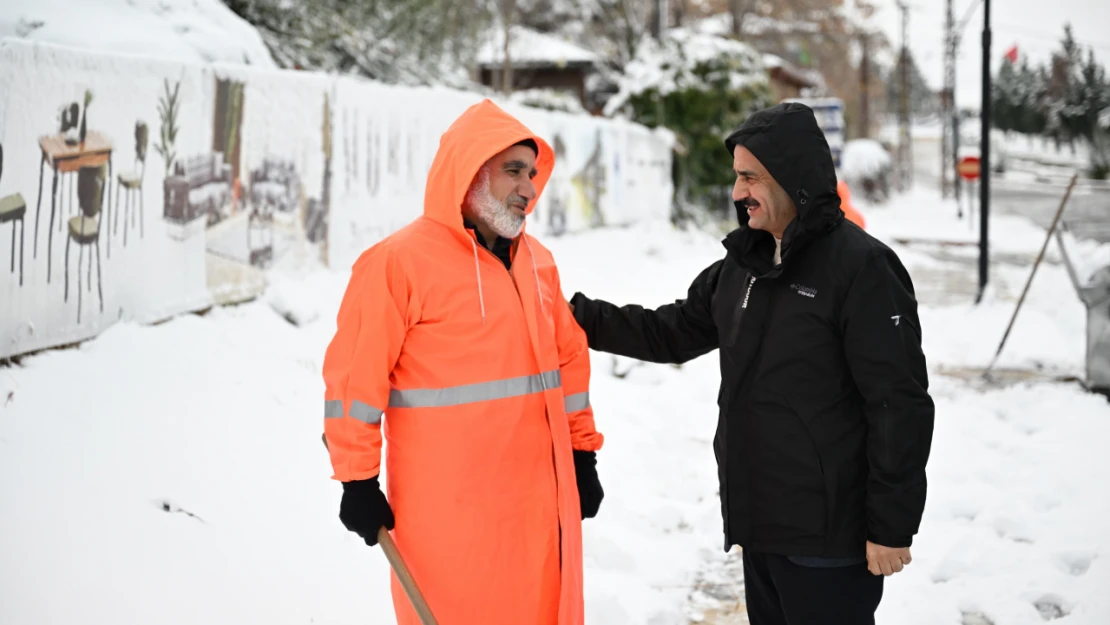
(370, 329)
(574, 371)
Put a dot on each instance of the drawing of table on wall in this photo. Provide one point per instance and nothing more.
(68, 158)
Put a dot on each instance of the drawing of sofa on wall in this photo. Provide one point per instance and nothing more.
(199, 187)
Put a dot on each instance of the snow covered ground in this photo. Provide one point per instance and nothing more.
(173, 474)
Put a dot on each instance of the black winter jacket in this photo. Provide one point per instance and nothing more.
(825, 421)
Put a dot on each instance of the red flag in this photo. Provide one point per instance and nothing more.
(1012, 54)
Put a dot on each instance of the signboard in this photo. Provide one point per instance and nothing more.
(968, 168)
(830, 118)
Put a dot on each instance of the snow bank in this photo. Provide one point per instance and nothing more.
(1013, 528)
(234, 440)
(192, 31)
(132, 561)
(244, 170)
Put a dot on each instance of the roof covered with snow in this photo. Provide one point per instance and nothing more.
(791, 72)
(531, 48)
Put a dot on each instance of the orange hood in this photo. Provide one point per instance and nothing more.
(477, 135)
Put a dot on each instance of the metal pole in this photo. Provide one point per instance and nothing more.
(985, 154)
(904, 103)
(865, 89)
(947, 102)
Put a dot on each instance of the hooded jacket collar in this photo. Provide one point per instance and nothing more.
(477, 135)
(791, 146)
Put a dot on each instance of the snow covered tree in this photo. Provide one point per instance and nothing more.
(922, 100)
(395, 41)
(1003, 101)
(700, 87)
(1032, 92)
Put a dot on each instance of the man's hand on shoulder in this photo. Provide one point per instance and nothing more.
(886, 560)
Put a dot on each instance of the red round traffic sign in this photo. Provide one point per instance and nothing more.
(968, 167)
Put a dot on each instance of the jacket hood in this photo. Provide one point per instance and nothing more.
(482, 131)
(788, 142)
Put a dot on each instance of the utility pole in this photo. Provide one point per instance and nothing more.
(864, 88)
(659, 18)
(985, 154)
(947, 100)
(904, 150)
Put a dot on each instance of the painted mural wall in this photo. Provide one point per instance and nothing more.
(139, 189)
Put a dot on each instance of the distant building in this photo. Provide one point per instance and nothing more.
(538, 60)
(788, 81)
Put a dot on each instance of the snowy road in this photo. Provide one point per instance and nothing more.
(218, 416)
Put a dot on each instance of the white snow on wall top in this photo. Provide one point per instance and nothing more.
(197, 31)
(527, 46)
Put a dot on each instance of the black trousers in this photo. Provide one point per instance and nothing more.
(780, 591)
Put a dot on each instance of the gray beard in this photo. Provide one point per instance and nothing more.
(492, 212)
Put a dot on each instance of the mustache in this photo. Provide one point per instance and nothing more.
(750, 202)
(516, 199)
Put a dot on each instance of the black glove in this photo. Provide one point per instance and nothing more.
(590, 493)
(364, 509)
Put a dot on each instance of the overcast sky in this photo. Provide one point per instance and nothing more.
(1035, 26)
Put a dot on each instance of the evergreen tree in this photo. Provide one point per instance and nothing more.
(1006, 98)
(1032, 103)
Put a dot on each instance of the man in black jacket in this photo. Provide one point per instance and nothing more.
(825, 419)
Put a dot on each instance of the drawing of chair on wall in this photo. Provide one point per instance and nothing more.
(131, 183)
(13, 208)
(84, 229)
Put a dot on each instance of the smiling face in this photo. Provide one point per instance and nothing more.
(498, 198)
(769, 206)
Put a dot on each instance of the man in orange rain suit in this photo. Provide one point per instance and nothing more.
(850, 211)
(455, 347)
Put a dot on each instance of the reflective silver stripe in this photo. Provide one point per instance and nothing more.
(469, 393)
(576, 402)
(552, 379)
(333, 409)
(365, 412)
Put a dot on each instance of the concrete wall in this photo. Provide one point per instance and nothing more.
(242, 171)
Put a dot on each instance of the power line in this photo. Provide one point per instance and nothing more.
(967, 16)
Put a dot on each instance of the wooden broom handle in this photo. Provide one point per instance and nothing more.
(405, 577)
(402, 571)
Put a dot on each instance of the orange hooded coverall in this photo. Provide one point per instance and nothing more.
(850, 210)
(482, 377)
